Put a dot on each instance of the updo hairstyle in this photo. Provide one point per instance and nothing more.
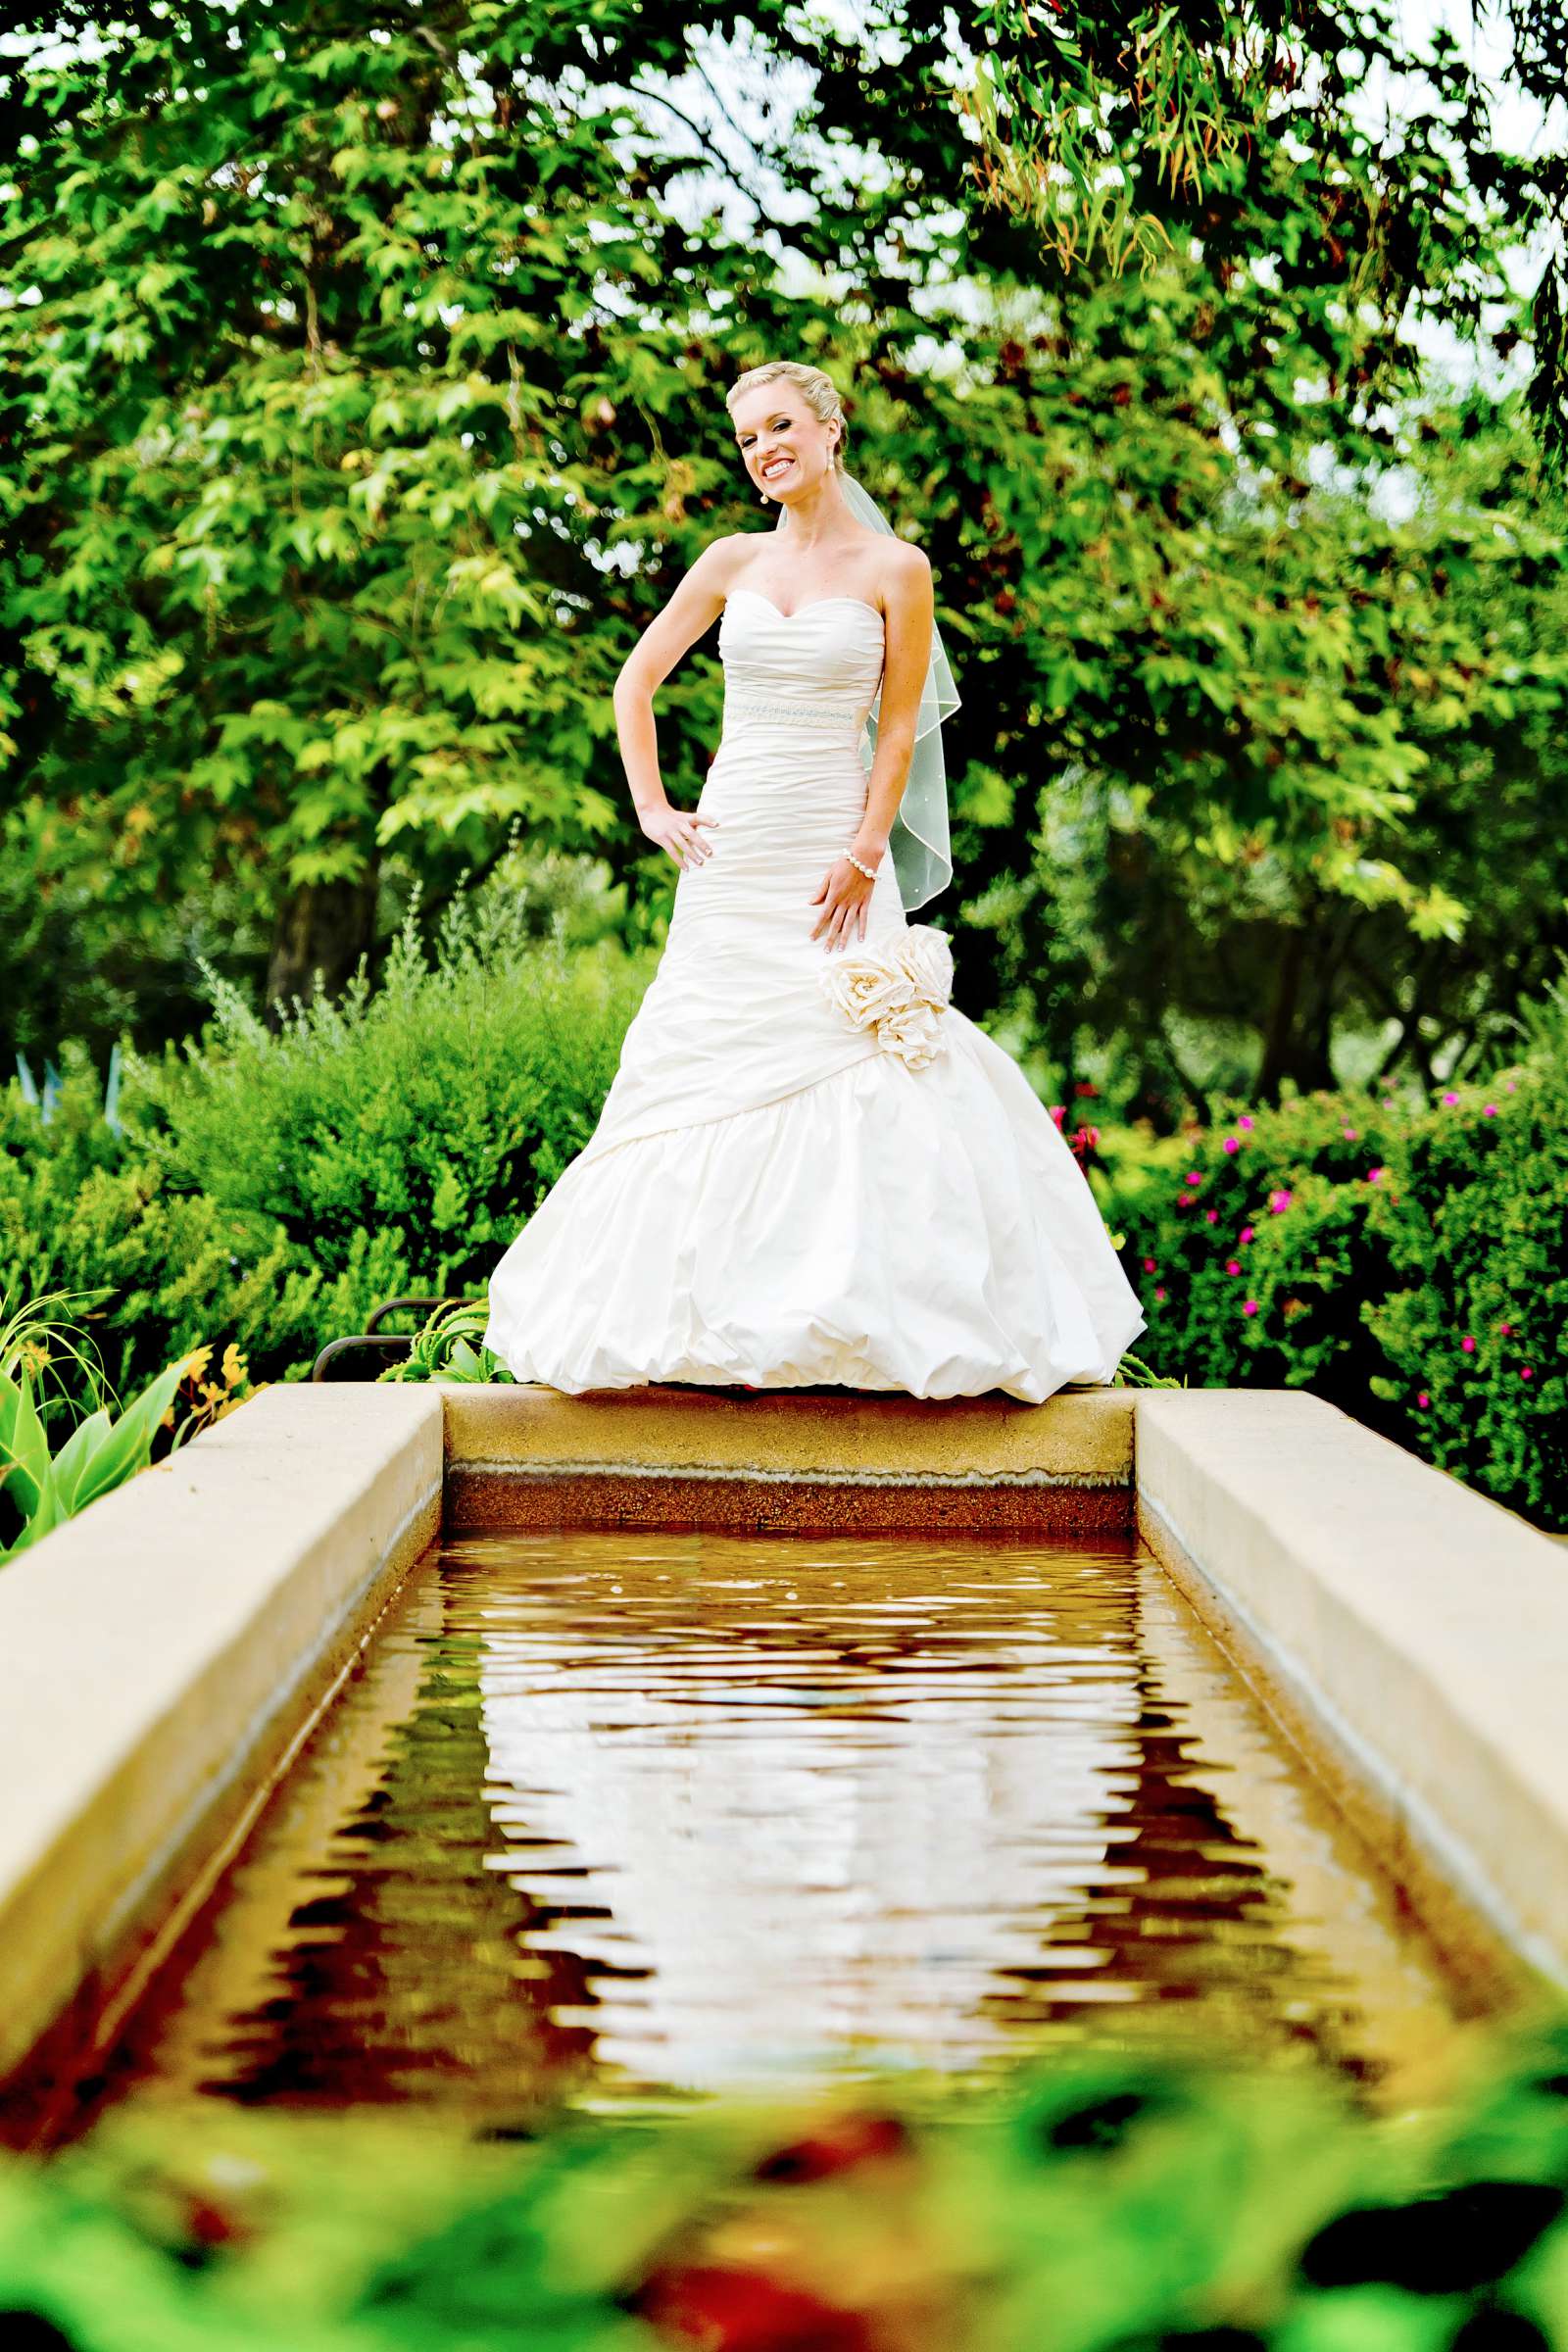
(820, 392)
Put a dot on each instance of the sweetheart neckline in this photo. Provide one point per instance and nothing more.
(861, 600)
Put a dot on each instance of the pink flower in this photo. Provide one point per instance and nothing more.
(1182, 1199)
(1149, 1266)
(1450, 1098)
(1249, 1307)
(1192, 1177)
(1422, 1397)
(1505, 1329)
(1244, 1120)
(1348, 1132)
(1468, 1344)
(1233, 1265)
(1376, 1175)
(1246, 1234)
(1159, 1293)
(1210, 1216)
(1513, 1086)
(1491, 1111)
(1279, 1202)
(1057, 1111)
(1231, 1144)
(1524, 1372)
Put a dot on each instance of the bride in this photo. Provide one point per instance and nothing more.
(812, 1169)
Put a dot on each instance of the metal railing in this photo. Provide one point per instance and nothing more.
(386, 1346)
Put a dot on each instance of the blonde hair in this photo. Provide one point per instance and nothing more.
(820, 392)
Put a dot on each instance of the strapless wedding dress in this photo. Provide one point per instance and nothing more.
(775, 1195)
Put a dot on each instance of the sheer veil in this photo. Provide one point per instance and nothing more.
(920, 841)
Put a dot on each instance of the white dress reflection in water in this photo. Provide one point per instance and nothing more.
(773, 1195)
(789, 1822)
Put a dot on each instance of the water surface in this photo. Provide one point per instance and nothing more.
(606, 1816)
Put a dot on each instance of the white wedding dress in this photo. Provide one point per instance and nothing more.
(773, 1195)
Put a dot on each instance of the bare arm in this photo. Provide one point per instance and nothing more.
(692, 610)
(844, 892)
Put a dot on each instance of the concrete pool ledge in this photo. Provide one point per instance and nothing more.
(1411, 1634)
(786, 1462)
(159, 1655)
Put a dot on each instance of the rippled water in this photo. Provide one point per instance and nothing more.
(607, 1815)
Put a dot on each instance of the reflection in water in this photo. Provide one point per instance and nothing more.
(607, 1815)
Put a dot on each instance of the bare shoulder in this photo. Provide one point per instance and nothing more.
(908, 569)
(723, 558)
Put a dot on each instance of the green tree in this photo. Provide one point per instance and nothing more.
(1235, 142)
(1394, 689)
(369, 373)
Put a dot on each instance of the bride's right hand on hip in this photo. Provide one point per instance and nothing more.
(675, 830)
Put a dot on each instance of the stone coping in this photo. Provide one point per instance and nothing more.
(786, 1462)
(1413, 1635)
(160, 1653)
(1081, 1438)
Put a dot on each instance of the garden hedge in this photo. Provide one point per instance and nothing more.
(1408, 1262)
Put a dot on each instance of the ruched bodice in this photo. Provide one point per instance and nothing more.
(772, 1195)
(821, 665)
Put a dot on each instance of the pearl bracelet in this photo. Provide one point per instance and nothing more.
(869, 871)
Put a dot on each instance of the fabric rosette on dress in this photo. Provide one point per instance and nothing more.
(897, 988)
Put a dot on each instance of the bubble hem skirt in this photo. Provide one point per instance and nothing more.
(921, 1231)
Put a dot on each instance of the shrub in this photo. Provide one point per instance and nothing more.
(271, 1185)
(1409, 1264)
(1476, 1336)
(436, 1110)
(83, 1209)
(1091, 2203)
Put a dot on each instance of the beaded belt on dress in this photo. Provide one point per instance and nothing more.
(800, 715)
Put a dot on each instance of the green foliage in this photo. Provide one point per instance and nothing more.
(370, 382)
(52, 1382)
(1409, 1264)
(1193, 862)
(274, 1184)
(1362, 704)
(1229, 134)
(449, 1346)
(1085, 2204)
(100, 1453)
(1476, 1333)
(428, 1112)
(84, 1209)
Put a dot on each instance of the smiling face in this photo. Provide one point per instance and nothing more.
(785, 447)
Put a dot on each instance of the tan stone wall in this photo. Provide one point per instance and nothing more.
(1411, 1634)
(787, 1463)
(160, 1652)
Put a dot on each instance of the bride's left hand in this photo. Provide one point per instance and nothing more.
(844, 895)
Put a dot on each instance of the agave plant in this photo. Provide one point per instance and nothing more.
(1134, 1373)
(443, 1348)
(44, 1097)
